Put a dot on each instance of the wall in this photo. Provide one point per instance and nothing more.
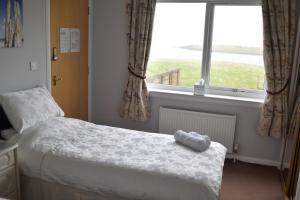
(14, 65)
(109, 79)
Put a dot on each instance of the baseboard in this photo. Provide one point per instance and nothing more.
(259, 161)
(253, 160)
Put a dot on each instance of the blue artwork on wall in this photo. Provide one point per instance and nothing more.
(11, 23)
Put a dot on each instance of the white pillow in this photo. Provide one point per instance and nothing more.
(8, 133)
(25, 108)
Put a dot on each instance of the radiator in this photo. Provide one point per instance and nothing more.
(220, 128)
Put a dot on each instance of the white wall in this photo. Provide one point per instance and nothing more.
(14, 63)
(109, 79)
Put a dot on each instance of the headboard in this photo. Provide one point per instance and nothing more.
(4, 122)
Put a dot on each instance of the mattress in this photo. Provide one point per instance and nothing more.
(132, 164)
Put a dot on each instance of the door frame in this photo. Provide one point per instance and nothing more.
(90, 49)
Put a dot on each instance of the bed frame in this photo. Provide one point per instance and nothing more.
(33, 188)
(37, 189)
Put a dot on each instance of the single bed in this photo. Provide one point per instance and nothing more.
(64, 158)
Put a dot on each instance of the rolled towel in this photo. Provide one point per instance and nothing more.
(193, 140)
(196, 134)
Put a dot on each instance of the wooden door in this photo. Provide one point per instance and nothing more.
(70, 69)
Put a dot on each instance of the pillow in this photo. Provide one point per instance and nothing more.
(25, 108)
(8, 133)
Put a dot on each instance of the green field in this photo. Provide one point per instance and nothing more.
(223, 74)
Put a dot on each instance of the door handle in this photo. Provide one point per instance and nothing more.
(56, 79)
(54, 54)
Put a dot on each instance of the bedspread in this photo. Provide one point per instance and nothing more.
(135, 164)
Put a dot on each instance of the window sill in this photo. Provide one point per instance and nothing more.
(207, 98)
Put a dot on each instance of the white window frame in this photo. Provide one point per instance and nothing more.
(207, 46)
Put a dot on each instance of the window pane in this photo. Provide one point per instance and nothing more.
(237, 60)
(176, 50)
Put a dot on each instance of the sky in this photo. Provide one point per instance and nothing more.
(180, 24)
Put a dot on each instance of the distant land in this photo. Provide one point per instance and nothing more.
(228, 49)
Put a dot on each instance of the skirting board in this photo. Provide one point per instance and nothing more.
(258, 161)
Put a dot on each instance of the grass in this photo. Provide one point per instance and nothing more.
(233, 75)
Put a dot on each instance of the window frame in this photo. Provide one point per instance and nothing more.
(207, 51)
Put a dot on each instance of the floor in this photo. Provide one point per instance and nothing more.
(243, 181)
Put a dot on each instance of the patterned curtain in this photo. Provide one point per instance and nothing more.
(135, 104)
(294, 132)
(279, 37)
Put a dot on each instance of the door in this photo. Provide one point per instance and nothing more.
(69, 18)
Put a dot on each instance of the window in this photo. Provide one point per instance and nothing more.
(220, 43)
(174, 58)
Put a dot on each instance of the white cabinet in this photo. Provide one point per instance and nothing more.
(9, 174)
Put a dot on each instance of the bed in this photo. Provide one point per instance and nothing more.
(64, 158)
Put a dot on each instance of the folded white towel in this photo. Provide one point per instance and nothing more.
(193, 140)
(196, 134)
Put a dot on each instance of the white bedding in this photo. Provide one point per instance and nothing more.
(133, 164)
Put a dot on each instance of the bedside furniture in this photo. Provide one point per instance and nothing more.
(9, 172)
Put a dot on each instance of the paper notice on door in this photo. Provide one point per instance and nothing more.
(75, 40)
(65, 40)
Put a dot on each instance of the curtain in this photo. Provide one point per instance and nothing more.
(293, 93)
(279, 38)
(135, 103)
(294, 131)
(295, 73)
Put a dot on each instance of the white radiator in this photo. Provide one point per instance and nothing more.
(220, 128)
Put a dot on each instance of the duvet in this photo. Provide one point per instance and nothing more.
(133, 164)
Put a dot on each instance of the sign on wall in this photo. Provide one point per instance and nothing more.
(65, 36)
(75, 40)
(69, 40)
(11, 23)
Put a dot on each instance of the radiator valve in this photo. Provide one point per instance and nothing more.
(235, 148)
(235, 152)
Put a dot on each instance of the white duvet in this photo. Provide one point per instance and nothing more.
(132, 164)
